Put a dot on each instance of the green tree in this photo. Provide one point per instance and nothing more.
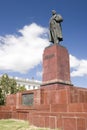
(1, 97)
(8, 86)
(21, 88)
(12, 86)
(4, 83)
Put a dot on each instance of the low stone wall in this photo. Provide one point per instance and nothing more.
(64, 108)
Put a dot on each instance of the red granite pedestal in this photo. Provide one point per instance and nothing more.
(58, 103)
(56, 65)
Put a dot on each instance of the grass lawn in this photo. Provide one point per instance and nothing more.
(11, 124)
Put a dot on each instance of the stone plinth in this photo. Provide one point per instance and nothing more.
(56, 65)
(57, 104)
(64, 108)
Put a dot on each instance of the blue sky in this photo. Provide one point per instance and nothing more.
(24, 35)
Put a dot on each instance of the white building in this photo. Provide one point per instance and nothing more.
(29, 84)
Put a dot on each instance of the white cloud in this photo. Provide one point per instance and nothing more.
(20, 53)
(79, 67)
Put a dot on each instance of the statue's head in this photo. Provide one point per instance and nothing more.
(53, 12)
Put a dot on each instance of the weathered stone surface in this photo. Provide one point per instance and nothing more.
(57, 104)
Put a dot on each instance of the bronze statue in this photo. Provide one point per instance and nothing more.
(55, 35)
